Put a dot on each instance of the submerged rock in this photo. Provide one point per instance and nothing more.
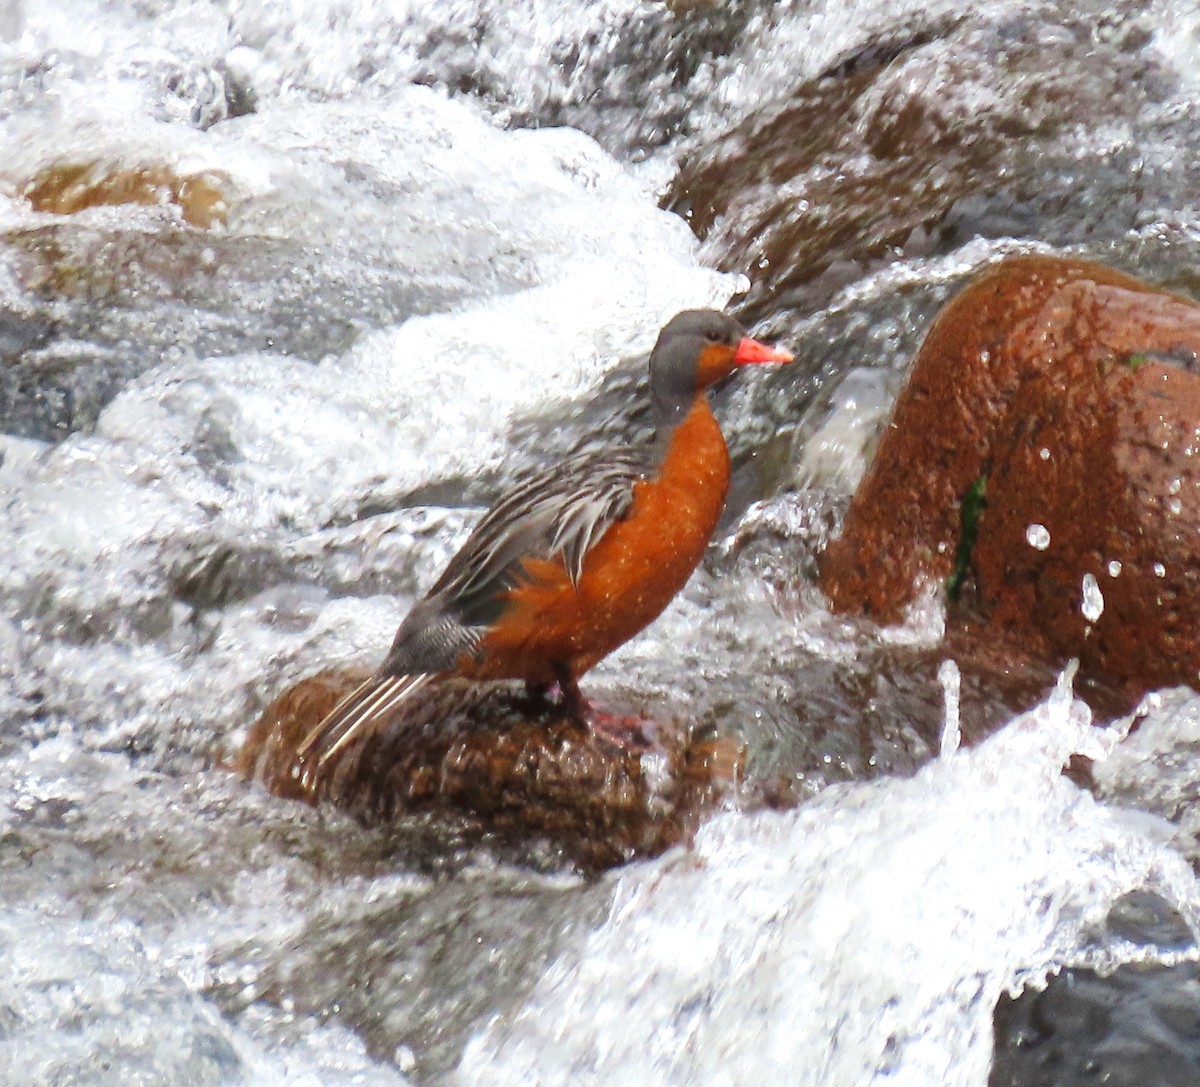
(67, 188)
(1046, 442)
(516, 764)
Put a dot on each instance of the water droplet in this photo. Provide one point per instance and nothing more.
(1093, 599)
(1044, 453)
(1160, 570)
(951, 681)
(1114, 568)
(1175, 506)
(1038, 536)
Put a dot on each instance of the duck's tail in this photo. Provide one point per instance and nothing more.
(363, 708)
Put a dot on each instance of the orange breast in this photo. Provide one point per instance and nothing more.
(628, 577)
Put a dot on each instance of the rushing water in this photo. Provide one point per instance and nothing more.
(445, 236)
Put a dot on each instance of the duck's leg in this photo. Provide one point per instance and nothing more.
(572, 697)
(623, 733)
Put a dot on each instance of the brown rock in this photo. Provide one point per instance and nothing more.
(512, 763)
(67, 188)
(873, 157)
(1107, 460)
(1023, 317)
(1040, 376)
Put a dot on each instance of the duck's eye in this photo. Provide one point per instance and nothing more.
(713, 336)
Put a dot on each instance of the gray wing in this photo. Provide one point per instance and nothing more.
(562, 511)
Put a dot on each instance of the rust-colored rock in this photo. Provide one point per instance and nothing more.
(67, 188)
(1025, 316)
(513, 763)
(1107, 460)
(1054, 380)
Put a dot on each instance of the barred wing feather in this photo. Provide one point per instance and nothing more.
(564, 511)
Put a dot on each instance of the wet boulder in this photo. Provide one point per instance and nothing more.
(1044, 452)
(512, 764)
(1094, 549)
(887, 154)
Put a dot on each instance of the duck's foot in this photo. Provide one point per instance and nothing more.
(621, 731)
(631, 734)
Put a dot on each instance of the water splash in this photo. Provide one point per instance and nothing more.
(888, 916)
(1092, 605)
(951, 681)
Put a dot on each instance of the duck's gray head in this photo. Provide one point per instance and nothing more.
(695, 349)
